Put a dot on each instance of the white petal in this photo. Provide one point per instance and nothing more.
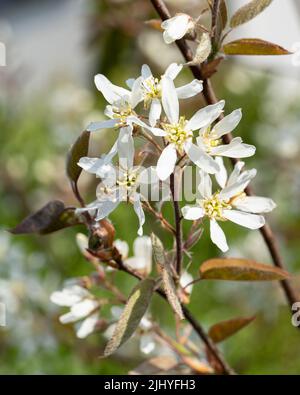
(185, 279)
(238, 186)
(176, 27)
(235, 149)
(146, 71)
(201, 158)
(69, 296)
(122, 247)
(251, 221)
(136, 93)
(68, 318)
(106, 207)
(173, 70)
(235, 172)
(82, 242)
(136, 263)
(87, 327)
(205, 185)
(155, 131)
(142, 249)
(228, 123)
(99, 166)
(189, 90)
(170, 100)
(217, 236)
(109, 123)
(166, 162)
(192, 212)
(254, 204)
(130, 82)
(125, 149)
(205, 116)
(137, 205)
(84, 308)
(111, 92)
(147, 343)
(221, 176)
(155, 111)
(116, 312)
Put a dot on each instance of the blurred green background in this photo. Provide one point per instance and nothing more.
(47, 97)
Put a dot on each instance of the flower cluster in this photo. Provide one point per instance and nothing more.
(150, 108)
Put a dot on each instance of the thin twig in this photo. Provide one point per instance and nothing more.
(189, 317)
(211, 98)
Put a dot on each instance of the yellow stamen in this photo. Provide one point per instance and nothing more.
(177, 134)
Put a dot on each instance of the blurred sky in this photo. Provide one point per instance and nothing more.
(47, 38)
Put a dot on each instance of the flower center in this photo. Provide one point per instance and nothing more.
(209, 140)
(177, 134)
(128, 180)
(151, 90)
(214, 206)
(123, 112)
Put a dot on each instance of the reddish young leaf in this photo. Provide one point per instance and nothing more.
(50, 218)
(223, 330)
(253, 46)
(78, 150)
(234, 269)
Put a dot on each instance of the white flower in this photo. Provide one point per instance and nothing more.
(120, 184)
(82, 306)
(121, 103)
(210, 138)
(142, 254)
(152, 89)
(177, 27)
(185, 279)
(231, 203)
(178, 133)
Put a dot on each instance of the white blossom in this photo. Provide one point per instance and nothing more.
(83, 306)
(210, 138)
(142, 254)
(178, 133)
(118, 184)
(177, 27)
(230, 203)
(152, 89)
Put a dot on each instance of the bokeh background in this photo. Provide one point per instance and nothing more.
(47, 97)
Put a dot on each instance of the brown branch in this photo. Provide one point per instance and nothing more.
(213, 349)
(211, 98)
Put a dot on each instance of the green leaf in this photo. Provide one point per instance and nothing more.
(223, 14)
(253, 46)
(225, 329)
(235, 269)
(158, 250)
(248, 12)
(170, 290)
(50, 218)
(78, 150)
(133, 312)
(167, 275)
